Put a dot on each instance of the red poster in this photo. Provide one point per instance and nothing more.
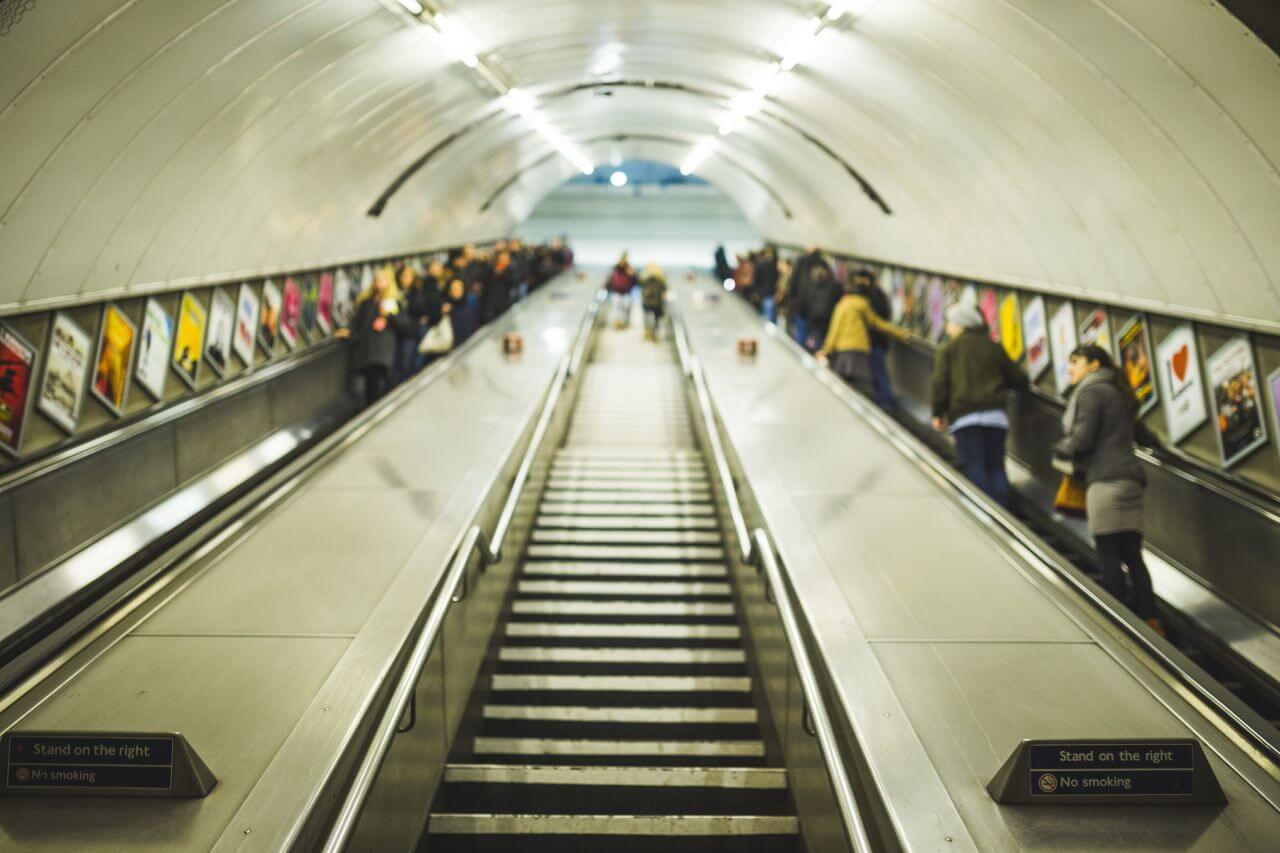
(291, 314)
(17, 364)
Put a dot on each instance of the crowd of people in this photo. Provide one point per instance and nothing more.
(409, 315)
(848, 326)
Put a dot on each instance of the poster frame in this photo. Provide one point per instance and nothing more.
(15, 450)
(1030, 309)
(118, 411)
(245, 353)
(55, 417)
(1117, 351)
(285, 332)
(1105, 311)
(1060, 372)
(269, 346)
(156, 394)
(1193, 360)
(1015, 324)
(1264, 435)
(324, 306)
(1273, 379)
(219, 369)
(194, 378)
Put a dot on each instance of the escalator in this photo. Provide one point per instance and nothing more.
(619, 709)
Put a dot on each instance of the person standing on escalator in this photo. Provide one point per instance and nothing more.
(376, 328)
(1100, 427)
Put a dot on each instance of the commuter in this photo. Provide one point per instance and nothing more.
(971, 376)
(376, 327)
(820, 300)
(621, 279)
(804, 277)
(848, 341)
(423, 302)
(766, 283)
(723, 271)
(782, 297)
(865, 284)
(653, 295)
(743, 278)
(461, 309)
(1100, 427)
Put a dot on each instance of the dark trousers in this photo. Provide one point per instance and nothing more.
(882, 391)
(981, 452)
(375, 383)
(800, 329)
(1125, 549)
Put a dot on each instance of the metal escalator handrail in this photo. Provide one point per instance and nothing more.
(721, 462)
(453, 589)
(854, 826)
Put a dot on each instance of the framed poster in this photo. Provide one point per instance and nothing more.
(1062, 340)
(153, 349)
(246, 323)
(1233, 376)
(269, 317)
(291, 313)
(1096, 329)
(989, 305)
(188, 338)
(1273, 385)
(114, 362)
(309, 286)
(217, 341)
(969, 294)
(1178, 364)
(1011, 326)
(344, 298)
(937, 305)
(324, 304)
(17, 372)
(1134, 360)
(66, 367)
(1035, 333)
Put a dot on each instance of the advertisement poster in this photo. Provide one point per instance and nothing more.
(291, 313)
(188, 340)
(153, 349)
(115, 359)
(1178, 363)
(937, 305)
(1011, 326)
(324, 306)
(344, 298)
(1096, 329)
(222, 321)
(1062, 340)
(1234, 379)
(17, 364)
(246, 324)
(1035, 333)
(310, 288)
(269, 320)
(989, 305)
(1134, 360)
(1273, 383)
(969, 294)
(66, 367)
(917, 314)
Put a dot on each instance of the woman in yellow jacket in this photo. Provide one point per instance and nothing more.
(848, 343)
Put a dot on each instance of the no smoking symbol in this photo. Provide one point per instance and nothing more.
(1048, 783)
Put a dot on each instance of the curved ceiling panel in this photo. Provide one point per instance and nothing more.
(1121, 149)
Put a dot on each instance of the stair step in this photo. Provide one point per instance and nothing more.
(522, 681)
(626, 825)
(569, 607)
(619, 656)
(620, 553)
(675, 777)
(626, 507)
(623, 589)
(542, 535)
(625, 569)
(625, 522)
(651, 748)
(610, 495)
(642, 714)
(562, 482)
(642, 630)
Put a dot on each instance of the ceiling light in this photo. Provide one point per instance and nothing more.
(618, 179)
(699, 155)
(607, 60)
(456, 42)
(413, 6)
(835, 11)
(519, 102)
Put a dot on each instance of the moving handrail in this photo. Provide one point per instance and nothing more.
(452, 590)
(757, 549)
(1259, 734)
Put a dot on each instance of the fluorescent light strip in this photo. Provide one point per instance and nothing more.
(520, 103)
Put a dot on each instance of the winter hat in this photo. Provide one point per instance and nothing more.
(965, 315)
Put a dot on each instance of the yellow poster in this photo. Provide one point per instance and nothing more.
(1011, 326)
(188, 340)
(115, 359)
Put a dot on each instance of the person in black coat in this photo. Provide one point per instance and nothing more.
(375, 330)
(865, 284)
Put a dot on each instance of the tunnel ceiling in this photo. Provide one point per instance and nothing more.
(1120, 149)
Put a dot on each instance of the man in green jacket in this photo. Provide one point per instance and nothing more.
(971, 377)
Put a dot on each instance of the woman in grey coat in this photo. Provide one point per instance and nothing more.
(1098, 437)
